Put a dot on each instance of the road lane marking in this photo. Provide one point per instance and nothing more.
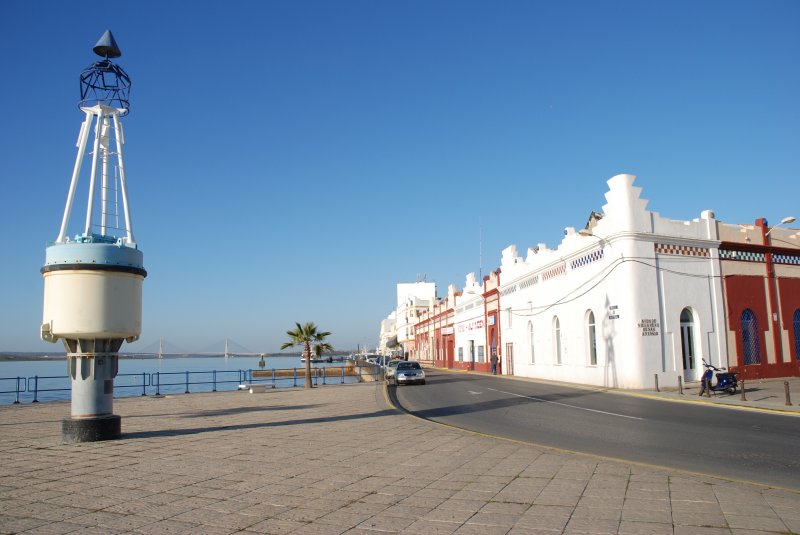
(473, 392)
(567, 405)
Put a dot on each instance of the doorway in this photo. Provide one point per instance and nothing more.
(688, 345)
(509, 364)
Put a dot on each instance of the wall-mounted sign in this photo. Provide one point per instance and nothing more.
(649, 327)
(613, 312)
(491, 320)
(470, 325)
(447, 330)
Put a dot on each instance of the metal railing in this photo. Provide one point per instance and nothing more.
(18, 381)
(193, 381)
(58, 380)
(196, 378)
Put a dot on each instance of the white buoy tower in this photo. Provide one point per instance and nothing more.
(93, 280)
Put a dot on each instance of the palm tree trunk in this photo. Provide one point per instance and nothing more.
(307, 354)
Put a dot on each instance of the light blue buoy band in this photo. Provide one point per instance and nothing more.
(93, 256)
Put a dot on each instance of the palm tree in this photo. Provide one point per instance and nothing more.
(305, 335)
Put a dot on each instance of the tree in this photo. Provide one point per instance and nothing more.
(305, 335)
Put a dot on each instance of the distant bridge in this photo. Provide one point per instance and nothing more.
(163, 348)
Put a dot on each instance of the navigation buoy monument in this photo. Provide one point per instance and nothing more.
(93, 281)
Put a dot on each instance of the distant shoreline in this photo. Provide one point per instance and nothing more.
(21, 356)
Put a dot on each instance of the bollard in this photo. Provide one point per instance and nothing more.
(708, 388)
(656, 376)
(786, 391)
(743, 398)
(680, 385)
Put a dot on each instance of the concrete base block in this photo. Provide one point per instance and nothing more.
(91, 429)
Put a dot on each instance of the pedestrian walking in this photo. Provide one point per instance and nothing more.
(494, 363)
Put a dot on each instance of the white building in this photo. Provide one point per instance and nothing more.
(387, 339)
(632, 297)
(469, 326)
(412, 299)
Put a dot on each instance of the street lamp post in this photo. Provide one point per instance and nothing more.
(784, 221)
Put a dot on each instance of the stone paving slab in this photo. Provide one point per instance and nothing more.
(337, 460)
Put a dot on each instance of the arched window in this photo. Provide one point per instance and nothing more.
(796, 322)
(591, 338)
(687, 339)
(751, 343)
(557, 338)
(530, 342)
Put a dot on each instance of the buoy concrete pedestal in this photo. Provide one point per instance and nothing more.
(93, 281)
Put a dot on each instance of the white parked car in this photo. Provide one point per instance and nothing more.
(391, 366)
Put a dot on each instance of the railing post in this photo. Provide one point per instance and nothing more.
(295, 376)
(680, 385)
(157, 383)
(743, 398)
(656, 376)
(187, 382)
(35, 389)
(19, 379)
(144, 383)
(273, 377)
(214, 380)
(342, 375)
(786, 392)
(324, 374)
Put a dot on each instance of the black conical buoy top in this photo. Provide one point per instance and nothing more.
(107, 47)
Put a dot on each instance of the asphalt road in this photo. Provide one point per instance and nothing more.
(733, 444)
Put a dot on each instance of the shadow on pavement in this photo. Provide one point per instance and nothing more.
(239, 427)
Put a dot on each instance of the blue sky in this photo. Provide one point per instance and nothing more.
(294, 160)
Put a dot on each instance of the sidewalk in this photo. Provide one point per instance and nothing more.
(336, 460)
(764, 394)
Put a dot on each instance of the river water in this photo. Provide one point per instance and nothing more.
(47, 380)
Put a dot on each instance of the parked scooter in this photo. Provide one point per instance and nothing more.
(726, 381)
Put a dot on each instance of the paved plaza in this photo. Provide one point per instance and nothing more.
(339, 459)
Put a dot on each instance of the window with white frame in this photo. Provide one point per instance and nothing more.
(557, 339)
(591, 338)
(530, 342)
(481, 354)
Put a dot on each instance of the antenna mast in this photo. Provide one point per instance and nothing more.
(480, 250)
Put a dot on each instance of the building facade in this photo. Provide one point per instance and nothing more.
(413, 298)
(760, 268)
(632, 299)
